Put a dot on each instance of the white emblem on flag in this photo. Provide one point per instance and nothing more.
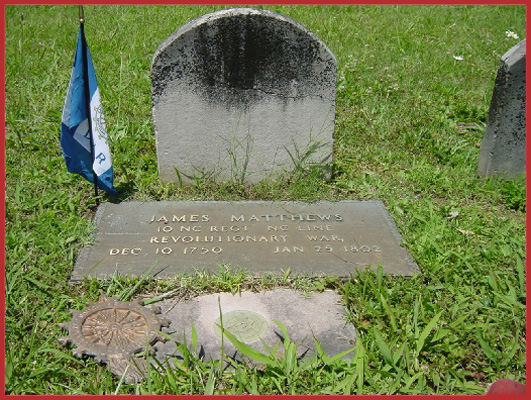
(102, 154)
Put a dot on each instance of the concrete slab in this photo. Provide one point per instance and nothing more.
(250, 317)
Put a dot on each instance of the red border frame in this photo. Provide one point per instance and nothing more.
(232, 2)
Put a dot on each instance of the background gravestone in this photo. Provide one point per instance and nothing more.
(503, 147)
(242, 94)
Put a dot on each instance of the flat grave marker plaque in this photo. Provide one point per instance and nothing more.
(334, 238)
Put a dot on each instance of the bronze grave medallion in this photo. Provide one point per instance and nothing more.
(113, 332)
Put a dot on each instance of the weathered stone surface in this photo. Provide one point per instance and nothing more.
(336, 238)
(503, 147)
(250, 317)
(237, 93)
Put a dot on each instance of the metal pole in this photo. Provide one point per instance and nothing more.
(84, 51)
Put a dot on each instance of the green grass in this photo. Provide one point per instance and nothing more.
(410, 119)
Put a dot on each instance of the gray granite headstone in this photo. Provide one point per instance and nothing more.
(250, 317)
(503, 147)
(242, 94)
(169, 238)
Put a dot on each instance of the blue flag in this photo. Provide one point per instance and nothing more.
(75, 127)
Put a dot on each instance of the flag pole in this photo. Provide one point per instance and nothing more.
(84, 49)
